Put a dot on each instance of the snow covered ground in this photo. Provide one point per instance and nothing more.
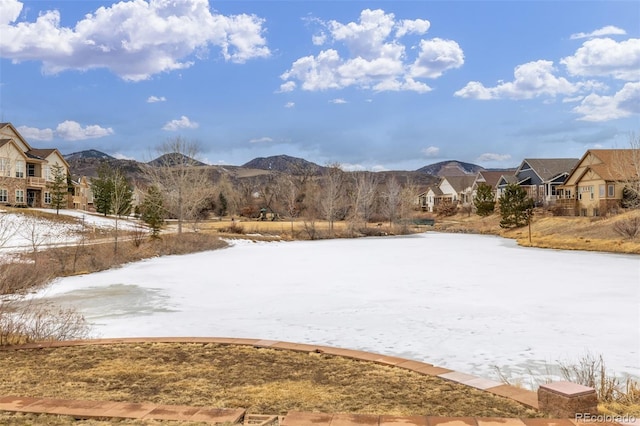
(465, 302)
(20, 232)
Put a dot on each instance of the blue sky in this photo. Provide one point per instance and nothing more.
(371, 85)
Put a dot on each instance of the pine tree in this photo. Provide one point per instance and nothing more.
(484, 200)
(102, 187)
(58, 187)
(516, 208)
(152, 210)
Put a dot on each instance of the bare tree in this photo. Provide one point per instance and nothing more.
(184, 181)
(120, 200)
(392, 199)
(32, 230)
(362, 196)
(331, 194)
(291, 196)
(625, 168)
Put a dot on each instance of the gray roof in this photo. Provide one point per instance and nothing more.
(549, 168)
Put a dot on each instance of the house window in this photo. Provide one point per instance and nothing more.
(5, 169)
(583, 212)
(19, 168)
(4, 196)
(19, 196)
(596, 211)
(46, 172)
(601, 191)
(47, 198)
(611, 191)
(31, 170)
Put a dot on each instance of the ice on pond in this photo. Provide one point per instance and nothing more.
(466, 302)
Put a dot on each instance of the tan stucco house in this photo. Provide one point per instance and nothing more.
(595, 186)
(25, 172)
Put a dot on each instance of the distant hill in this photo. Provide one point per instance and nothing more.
(175, 159)
(284, 164)
(86, 163)
(451, 168)
(90, 153)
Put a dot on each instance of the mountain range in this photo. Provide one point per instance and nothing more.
(284, 163)
(86, 163)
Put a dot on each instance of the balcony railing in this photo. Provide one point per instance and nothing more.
(36, 181)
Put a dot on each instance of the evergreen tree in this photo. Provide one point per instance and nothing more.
(102, 187)
(222, 205)
(58, 187)
(152, 210)
(112, 193)
(484, 200)
(516, 208)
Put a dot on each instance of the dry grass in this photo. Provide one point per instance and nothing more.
(260, 380)
(569, 233)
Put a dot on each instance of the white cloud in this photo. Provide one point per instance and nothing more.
(9, 11)
(73, 131)
(409, 26)
(319, 39)
(290, 105)
(368, 54)
(289, 86)
(489, 156)
(608, 30)
(68, 130)
(437, 56)
(264, 139)
(120, 156)
(182, 123)
(603, 108)
(154, 99)
(337, 101)
(133, 39)
(431, 151)
(349, 167)
(605, 57)
(531, 80)
(36, 134)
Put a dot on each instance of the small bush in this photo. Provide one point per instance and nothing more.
(446, 209)
(628, 227)
(234, 228)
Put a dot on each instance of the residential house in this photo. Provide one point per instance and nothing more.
(490, 178)
(26, 172)
(450, 189)
(540, 177)
(595, 186)
(427, 199)
(83, 195)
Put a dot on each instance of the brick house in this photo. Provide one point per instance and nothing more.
(26, 172)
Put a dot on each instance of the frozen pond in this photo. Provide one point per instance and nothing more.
(464, 302)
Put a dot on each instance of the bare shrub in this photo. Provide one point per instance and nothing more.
(19, 277)
(139, 234)
(310, 229)
(234, 228)
(24, 321)
(446, 209)
(628, 227)
(591, 371)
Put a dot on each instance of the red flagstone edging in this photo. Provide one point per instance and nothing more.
(105, 409)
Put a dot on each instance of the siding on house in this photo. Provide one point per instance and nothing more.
(25, 172)
(595, 186)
